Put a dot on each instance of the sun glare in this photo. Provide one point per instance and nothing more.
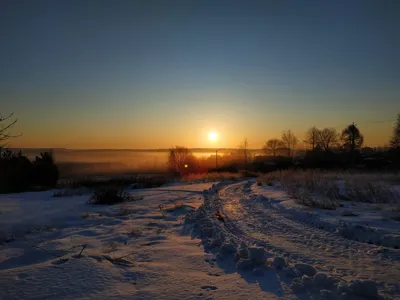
(212, 136)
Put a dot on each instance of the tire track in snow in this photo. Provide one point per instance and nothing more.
(259, 223)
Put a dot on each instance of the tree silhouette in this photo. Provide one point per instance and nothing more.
(290, 140)
(395, 141)
(178, 157)
(352, 138)
(6, 124)
(272, 145)
(313, 137)
(328, 138)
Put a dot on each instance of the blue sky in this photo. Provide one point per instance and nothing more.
(150, 74)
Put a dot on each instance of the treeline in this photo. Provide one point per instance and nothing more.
(19, 174)
(326, 149)
(329, 149)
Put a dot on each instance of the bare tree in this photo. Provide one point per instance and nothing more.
(313, 137)
(6, 124)
(328, 138)
(290, 141)
(272, 145)
(395, 141)
(178, 157)
(352, 137)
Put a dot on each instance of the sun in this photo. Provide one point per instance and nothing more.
(212, 136)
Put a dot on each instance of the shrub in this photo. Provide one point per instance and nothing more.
(19, 174)
(15, 172)
(109, 196)
(45, 171)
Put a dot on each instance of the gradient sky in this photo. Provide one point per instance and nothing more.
(152, 74)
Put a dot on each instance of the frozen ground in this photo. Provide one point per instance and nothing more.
(363, 222)
(173, 244)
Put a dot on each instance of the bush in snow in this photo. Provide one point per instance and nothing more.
(109, 196)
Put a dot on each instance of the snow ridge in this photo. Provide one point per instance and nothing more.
(248, 230)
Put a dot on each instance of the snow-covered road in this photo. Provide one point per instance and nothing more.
(172, 244)
(255, 219)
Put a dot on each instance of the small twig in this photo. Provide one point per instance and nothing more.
(73, 247)
(161, 207)
(122, 257)
(45, 250)
(83, 248)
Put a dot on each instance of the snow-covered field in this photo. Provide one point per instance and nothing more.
(227, 240)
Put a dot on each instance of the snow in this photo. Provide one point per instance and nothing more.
(171, 244)
(367, 221)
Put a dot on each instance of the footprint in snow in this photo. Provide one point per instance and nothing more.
(208, 259)
(60, 261)
(209, 287)
(213, 274)
(21, 276)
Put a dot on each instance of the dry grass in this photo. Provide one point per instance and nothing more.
(110, 246)
(393, 213)
(210, 177)
(370, 188)
(202, 177)
(133, 181)
(325, 189)
(70, 192)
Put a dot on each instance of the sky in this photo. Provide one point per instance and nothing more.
(153, 74)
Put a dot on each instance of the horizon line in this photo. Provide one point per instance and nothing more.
(157, 149)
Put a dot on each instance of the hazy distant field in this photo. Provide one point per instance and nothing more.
(85, 162)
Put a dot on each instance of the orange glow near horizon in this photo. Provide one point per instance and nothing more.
(89, 133)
